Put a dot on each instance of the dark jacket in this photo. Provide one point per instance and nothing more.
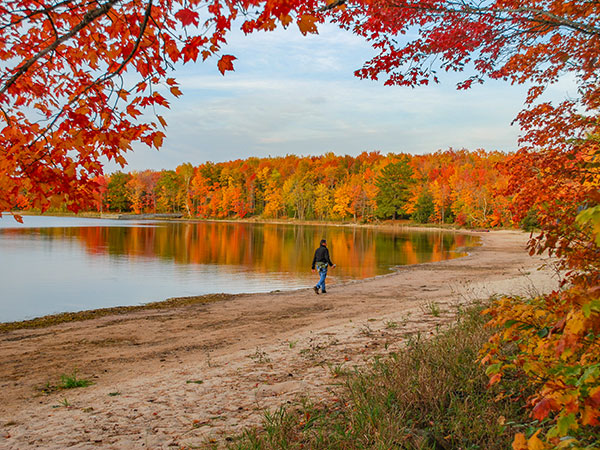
(321, 255)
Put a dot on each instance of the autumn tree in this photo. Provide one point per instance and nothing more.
(135, 193)
(170, 196)
(342, 201)
(273, 196)
(298, 195)
(186, 172)
(323, 201)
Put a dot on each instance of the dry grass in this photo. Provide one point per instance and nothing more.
(432, 395)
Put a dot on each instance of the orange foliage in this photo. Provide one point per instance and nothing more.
(327, 187)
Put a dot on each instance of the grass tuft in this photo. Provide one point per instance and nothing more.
(71, 381)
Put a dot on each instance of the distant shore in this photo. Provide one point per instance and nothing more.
(190, 373)
(385, 224)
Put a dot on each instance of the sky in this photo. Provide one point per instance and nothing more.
(295, 94)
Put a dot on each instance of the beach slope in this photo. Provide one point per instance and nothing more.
(189, 375)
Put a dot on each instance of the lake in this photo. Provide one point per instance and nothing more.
(57, 264)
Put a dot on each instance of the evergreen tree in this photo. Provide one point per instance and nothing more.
(116, 193)
(424, 208)
(394, 189)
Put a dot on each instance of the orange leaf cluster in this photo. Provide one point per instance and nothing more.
(558, 353)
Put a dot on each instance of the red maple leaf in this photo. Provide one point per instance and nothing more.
(186, 16)
(226, 63)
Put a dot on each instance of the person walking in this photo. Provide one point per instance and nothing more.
(321, 262)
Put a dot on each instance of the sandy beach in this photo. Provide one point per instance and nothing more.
(192, 375)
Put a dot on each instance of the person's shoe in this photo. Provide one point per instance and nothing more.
(316, 289)
(323, 292)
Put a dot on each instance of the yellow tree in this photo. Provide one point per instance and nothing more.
(323, 201)
(273, 198)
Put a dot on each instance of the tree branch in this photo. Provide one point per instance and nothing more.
(88, 18)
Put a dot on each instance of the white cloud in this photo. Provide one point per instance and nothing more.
(292, 94)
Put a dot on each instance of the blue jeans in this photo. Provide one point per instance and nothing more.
(322, 274)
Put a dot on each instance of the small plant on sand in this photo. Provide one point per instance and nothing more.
(313, 351)
(338, 370)
(47, 388)
(260, 356)
(432, 308)
(405, 320)
(71, 381)
(390, 324)
(366, 330)
(292, 343)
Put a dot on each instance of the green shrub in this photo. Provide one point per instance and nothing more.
(424, 208)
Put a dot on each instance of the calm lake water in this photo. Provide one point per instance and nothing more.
(56, 264)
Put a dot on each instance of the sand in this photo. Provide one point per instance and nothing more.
(188, 376)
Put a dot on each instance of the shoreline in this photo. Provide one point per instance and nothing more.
(387, 224)
(191, 374)
(88, 314)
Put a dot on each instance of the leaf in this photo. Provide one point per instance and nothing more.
(576, 323)
(591, 216)
(306, 23)
(519, 442)
(544, 407)
(187, 17)
(566, 423)
(543, 332)
(175, 91)
(495, 379)
(594, 397)
(589, 307)
(158, 138)
(534, 443)
(590, 416)
(162, 121)
(285, 19)
(226, 63)
(493, 369)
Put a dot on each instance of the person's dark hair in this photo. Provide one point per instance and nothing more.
(323, 242)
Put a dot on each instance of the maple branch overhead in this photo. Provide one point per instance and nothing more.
(35, 13)
(99, 80)
(88, 18)
(537, 15)
(331, 5)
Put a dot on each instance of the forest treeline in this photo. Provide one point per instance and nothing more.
(463, 187)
